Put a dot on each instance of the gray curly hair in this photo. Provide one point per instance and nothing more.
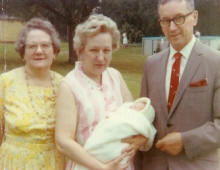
(37, 23)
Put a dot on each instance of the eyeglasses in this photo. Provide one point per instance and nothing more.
(43, 46)
(179, 20)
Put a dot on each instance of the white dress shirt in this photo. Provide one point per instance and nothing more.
(186, 51)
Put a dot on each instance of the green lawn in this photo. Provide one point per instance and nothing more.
(128, 61)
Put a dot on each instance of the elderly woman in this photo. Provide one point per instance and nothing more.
(27, 100)
(89, 92)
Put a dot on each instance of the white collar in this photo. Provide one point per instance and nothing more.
(186, 51)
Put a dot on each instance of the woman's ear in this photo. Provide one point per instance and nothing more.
(54, 56)
(80, 57)
(80, 53)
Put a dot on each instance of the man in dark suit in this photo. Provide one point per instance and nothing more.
(183, 83)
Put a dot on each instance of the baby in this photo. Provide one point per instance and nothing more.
(130, 119)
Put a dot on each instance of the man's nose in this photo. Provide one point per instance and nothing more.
(172, 26)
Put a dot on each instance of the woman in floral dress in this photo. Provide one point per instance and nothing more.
(27, 100)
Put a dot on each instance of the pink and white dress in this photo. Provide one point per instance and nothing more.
(93, 101)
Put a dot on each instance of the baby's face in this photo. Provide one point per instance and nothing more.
(138, 106)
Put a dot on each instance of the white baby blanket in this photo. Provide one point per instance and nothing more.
(105, 141)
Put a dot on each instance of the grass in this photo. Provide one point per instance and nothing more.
(128, 61)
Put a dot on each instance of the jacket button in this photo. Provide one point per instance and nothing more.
(169, 124)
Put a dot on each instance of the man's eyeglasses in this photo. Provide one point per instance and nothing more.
(179, 20)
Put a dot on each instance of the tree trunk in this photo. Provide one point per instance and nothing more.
(72, 54)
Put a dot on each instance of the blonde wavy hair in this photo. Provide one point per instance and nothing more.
(95, 24)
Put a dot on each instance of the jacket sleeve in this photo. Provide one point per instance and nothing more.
(139, 155)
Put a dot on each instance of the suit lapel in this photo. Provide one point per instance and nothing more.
(162, 77)
(190, 69)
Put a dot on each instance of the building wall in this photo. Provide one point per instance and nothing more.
(9, 30)
(151, 45)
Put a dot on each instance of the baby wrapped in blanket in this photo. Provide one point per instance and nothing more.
(131, 118)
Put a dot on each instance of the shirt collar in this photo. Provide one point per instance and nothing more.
(186, 51)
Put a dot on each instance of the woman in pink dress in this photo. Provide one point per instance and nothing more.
(90, 91)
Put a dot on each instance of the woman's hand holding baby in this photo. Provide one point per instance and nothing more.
(135, 142)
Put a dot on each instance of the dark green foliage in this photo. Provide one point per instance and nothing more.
(137, 18)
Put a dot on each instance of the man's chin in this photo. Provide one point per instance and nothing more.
(177, 44)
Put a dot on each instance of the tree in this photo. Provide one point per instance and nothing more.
(209, 11)
(71, 12)
(137, 18)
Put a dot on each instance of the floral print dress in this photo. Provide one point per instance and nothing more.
(29, 124)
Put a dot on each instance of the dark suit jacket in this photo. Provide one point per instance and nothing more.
(195, 111)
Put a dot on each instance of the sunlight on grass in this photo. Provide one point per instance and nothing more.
(128, 61)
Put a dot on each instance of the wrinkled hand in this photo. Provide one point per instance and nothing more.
(172, 143)
(135, 142)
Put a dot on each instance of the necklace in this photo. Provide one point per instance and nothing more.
(32, 102)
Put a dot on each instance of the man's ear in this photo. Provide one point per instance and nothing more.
(195, 17)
